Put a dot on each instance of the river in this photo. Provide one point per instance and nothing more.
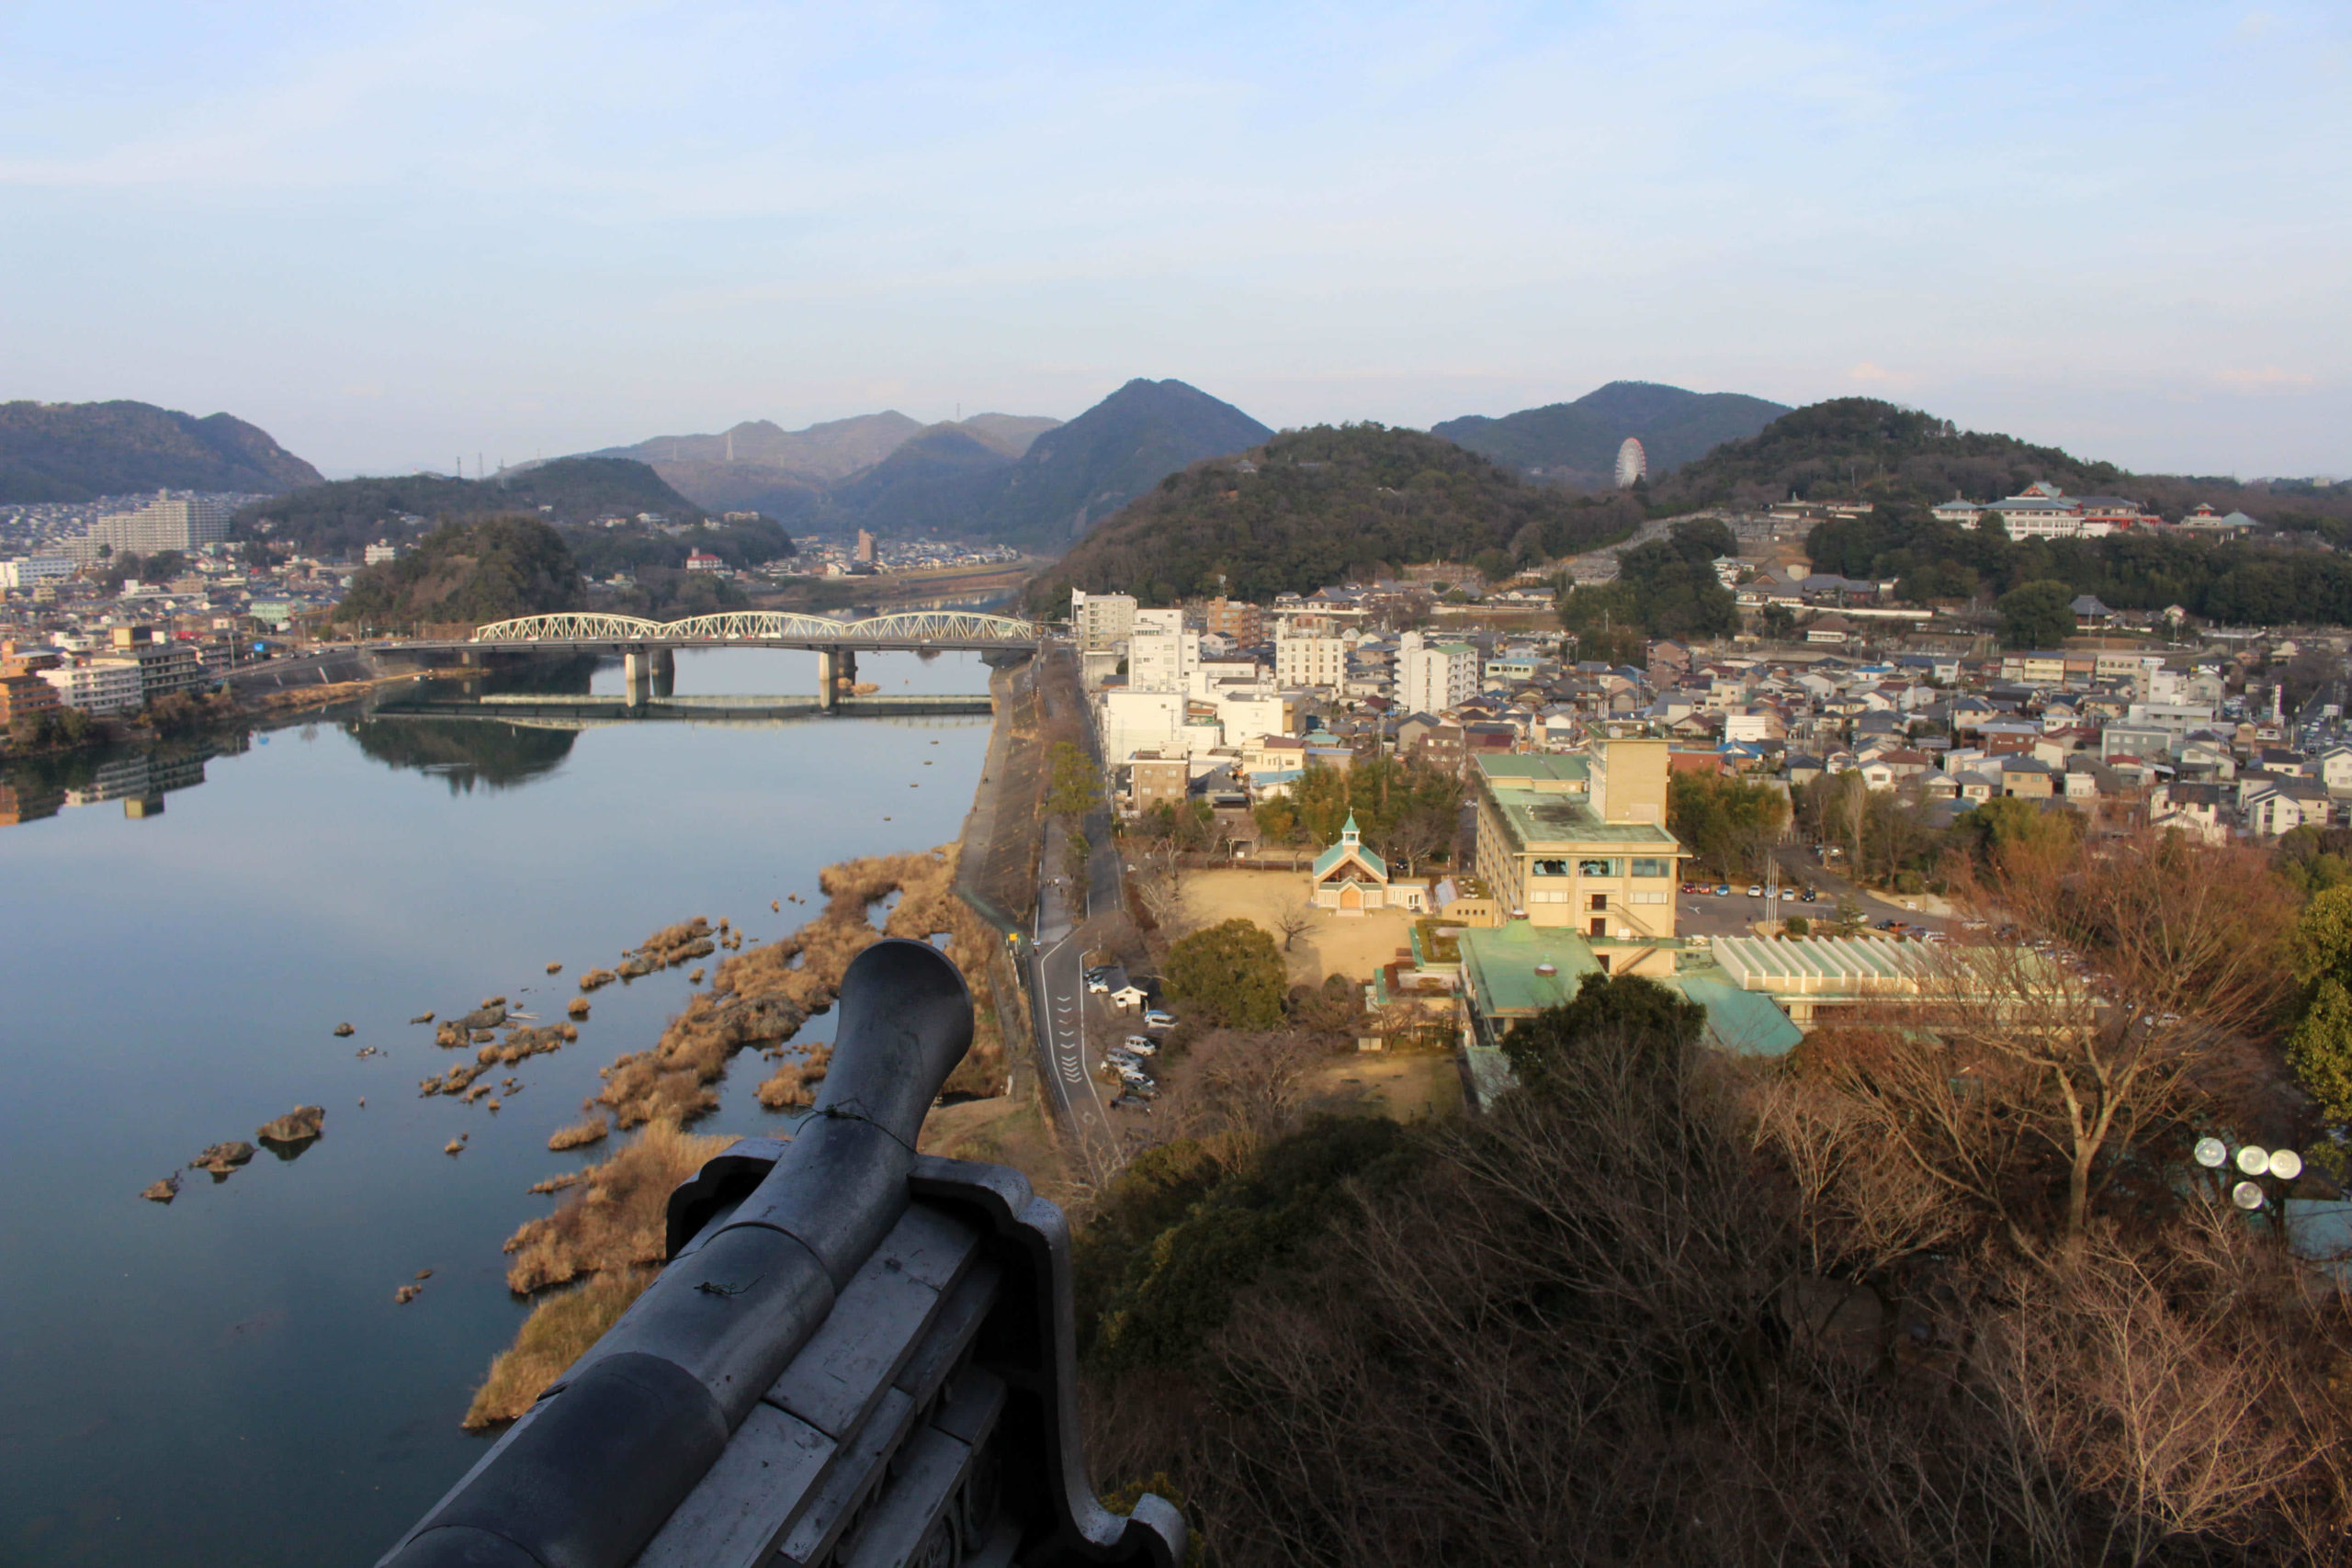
(228, 1380)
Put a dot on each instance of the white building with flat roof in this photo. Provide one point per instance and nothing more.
(1434, 677)
(99, 685)
(1309, 661)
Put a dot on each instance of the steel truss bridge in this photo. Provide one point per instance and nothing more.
(907, 630)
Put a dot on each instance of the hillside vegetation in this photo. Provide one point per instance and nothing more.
(336, 520)
(1863, 448)
(478, 571)
(65, 452)
(1578, 440)
(1327, 504)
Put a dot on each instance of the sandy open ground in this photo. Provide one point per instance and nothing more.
(1353, 945)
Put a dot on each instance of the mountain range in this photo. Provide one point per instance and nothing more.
(68, 452)
(1578, 442)
(1015, 478)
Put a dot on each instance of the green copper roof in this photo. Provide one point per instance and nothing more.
(1498, 967)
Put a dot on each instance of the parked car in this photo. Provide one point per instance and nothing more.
(1142, 1044)
(1143, 1089)
(1723, 889)
(1133, 1075)
(1098, 987)
(1131, 1101)
(1809, 896)
(1123, 1058)
(1155, 1019)
(1756, 890)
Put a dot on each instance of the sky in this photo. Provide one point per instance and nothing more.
(395, 234)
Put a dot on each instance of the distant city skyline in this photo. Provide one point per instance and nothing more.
(392, 236)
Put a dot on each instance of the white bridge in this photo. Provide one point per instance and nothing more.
(649, 649)
(908, 629)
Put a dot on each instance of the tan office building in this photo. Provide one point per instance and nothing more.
(1578, 838)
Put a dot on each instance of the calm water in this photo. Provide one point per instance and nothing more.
(227, 1379)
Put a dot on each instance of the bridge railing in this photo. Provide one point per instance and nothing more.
(967, 627)
(856, 1356)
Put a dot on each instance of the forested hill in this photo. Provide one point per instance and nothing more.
(66, 452)
(1898, 457)
(484, 570)
(1578, 440)
(1327, 504)
(336, 521)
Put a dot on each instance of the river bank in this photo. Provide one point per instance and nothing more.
(231, 1377)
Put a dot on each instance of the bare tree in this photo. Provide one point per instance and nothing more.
(2074, 1033)
(1292, 920)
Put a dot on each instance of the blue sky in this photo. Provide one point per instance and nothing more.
(392, 234)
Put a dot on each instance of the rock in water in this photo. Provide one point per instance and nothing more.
(421, 1017)
(490, 1015)
(555, 968)
(343, 1032)
(454, 1146)
(299, 1125)
(579, 1007)
(425, 1273)
(162, 1192)
(407, 1294)
(222, 1158)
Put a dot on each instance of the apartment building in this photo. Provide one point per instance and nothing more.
(1100, 621)
(1309, 661)
(1434, 677)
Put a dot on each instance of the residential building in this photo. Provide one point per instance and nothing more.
(1155, 780)
(1243, 625)
(1162, 654)
(1309, 661)
(703, 560)
(1434, 677)
(1100, 621)
(30, 572)
(23, 694)
(381, 553)
(1578, 838)
(98, 685)
(164, 524)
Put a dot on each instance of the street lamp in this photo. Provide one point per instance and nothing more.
(2253, 1162)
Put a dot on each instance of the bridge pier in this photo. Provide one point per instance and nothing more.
(665, 674)
(836, 670)
(637, 673)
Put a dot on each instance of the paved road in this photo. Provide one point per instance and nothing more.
(1056, 982)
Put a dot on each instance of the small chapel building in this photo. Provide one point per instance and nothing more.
(1350, 879)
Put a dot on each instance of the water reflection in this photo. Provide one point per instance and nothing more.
(35, 787)
(464, 753)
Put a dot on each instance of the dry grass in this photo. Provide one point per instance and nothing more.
(616, 1219)
(596, 978)
(580, 1134)
(558, 1331)
(793, 1086)
(763, 997)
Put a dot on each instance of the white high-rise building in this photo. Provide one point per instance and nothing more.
(1309, 661)
(1433, 678)
(1162, 655)
(163, 524)
(98, 685)
(1100, 621)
